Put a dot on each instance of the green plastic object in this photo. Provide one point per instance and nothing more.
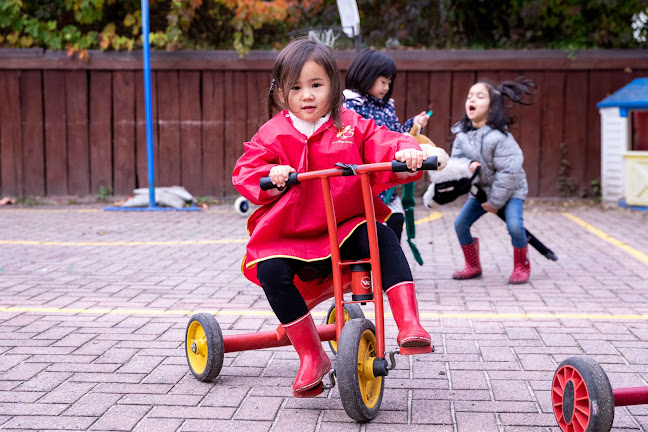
(410, 227)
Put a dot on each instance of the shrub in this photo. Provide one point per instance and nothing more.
(80, 25)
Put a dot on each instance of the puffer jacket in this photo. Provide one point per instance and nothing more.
(501, 175)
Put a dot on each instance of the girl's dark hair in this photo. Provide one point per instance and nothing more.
(288, 66)
(514, 90)
(366, 68)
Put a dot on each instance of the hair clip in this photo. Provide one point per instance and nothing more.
(272, 83)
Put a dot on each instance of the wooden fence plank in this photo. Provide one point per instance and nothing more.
(213, 133)
(399, 94)
(417, 94)
(55, 132)
(461, 83)
(78, 164)
(100, 131)
(438, 129)
(257, 101)
(11, 162)
(31, 104)
(190, 133)
(552, 136)
(235, 124)
(124, 131)
(576, 129)
(168, 155)
(530, 134)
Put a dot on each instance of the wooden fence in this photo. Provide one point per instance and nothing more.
(69, 127)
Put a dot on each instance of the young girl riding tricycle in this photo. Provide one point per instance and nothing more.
(308, 241)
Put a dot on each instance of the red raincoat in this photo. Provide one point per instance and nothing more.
(293, 224)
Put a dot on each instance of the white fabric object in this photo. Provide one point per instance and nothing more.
(172, 196)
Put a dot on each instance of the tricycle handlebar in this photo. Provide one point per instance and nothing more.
(345, 170)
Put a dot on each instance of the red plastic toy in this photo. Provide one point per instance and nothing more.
(361, 364)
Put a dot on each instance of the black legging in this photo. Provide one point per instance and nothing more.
(277, 274)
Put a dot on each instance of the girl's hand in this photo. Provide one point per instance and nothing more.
(489, 208)
(279, 174)
(412, 157)
(473, 166)
(422, 119)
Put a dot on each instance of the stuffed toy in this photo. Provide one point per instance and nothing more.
(447, 185)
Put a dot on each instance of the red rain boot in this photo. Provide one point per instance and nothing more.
(521, 266)
(313, 361)
(402, 299)
(473, 267)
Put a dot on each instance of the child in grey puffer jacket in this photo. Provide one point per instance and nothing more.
(482, 140)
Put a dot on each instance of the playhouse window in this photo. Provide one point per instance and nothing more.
(640, 130)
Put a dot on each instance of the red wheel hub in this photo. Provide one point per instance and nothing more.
(571, 400)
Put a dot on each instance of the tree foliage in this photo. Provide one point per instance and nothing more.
(80, 25)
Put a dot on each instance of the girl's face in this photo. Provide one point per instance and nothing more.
(380, 87)
(478, 105)
(308, 99)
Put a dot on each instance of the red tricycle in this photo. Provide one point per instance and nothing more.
(361, 358)
(583, 399)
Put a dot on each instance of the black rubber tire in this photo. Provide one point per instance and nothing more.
(213, 340)
(353, 310)
(361, 397)
(576, 378)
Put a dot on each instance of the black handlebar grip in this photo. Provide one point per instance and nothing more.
(266, 183)
(428, 164)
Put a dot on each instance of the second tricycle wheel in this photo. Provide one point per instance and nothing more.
(582, 396)
(361, 391)
(351, 311)
(204, 346)
(242, 206)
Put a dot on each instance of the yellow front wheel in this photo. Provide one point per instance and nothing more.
(361, 391)
(351, 311)
(204, 346)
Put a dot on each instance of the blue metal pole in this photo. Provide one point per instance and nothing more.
(150, 160)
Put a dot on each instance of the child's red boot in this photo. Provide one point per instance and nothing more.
(473, 266)
(404, 307)
(313, 361)
(521, 266)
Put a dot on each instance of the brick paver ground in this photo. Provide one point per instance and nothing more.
(94, 305)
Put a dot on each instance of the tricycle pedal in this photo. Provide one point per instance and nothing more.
(312, 392)
(416, 350)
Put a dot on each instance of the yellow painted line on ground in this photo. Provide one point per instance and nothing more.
(44, 210)
(268, 313)
(433, 216)
(24, 210)
(122, 243)
(608, 238)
